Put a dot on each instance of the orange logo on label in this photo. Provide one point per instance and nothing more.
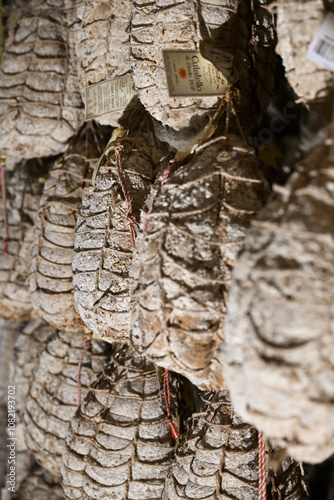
(182, 73)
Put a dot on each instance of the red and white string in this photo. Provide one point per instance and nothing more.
(262, 468)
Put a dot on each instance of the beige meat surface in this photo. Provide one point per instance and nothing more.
(242, 29)
(105, 236)
(51, 280)
(218, 458)
(101, 43)
(297, 24)
(24, 187)
(184, 261)
(53, 396)
(279, 344)
(40, 103)
(119, 444)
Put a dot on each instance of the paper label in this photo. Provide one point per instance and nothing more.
(108, 96)
(220, 58)
(321, 50)
(190, 74)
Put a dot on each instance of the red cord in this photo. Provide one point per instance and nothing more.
(166, 391)
(87, 340)
(3, 187)
(262, 468)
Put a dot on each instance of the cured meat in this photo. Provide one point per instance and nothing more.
(297, 24)
(184, 263)
(278, 349)
(242, 29)
(218, 458)
(24, 187)
(105, 234)
(119, 444)
(39, 485)
(102, 44)
(40, 106)
(51, 281)
(33, 338)
(53, 395)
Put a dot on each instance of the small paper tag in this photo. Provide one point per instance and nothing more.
(321, 50)
(220, 58)
(108, 96)
(190, 74)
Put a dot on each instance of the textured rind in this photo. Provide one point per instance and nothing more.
(184, 262)
(288, 482)
(103, 243)
(217, 458)
(52, 252)
(53, 396)
(278, 349)
(235, 26)
(39, 485)
(32, 339)
(24, 189)
(40, 106)
(102, 43)
(119, 444)
(297, 24)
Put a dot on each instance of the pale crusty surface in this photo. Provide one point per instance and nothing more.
(39, 485)
(184, 261)
(119, 444)
(40, 105)
(297, 24)
(102, 43)
(103, 242)
(51, 282)
(278, 349)
(32, 339)
(217, 458)
(243, 30)
(53, 396)
(24, 188)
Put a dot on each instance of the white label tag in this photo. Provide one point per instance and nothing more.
(108, 96)
(190, 74)
(321, 50)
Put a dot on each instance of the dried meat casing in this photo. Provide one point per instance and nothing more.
(51, 282)
(32, 339)
(277, 353)
(184, 263)
(218, 458)
(119, 444)
(24, 188)
(103, 239)
(39, 485)
(297, 24)
(244, 31)
(40, 106)
(53, 396)
(102, 44)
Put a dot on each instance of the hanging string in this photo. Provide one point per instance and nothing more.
(4, 199)
(262, 468)
(87, 339)
(166, 391)
(121, 178)
(172, 166)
